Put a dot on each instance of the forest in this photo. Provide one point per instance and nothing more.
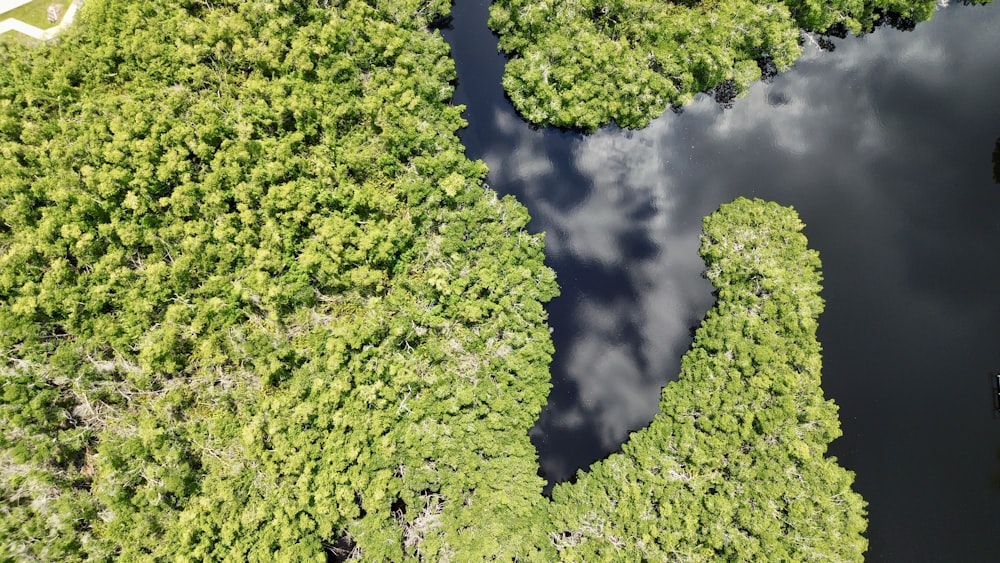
(257, 305)
(586, 63)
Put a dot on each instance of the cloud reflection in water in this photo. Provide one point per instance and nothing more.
(884, 147)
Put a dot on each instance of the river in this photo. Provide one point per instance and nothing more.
(884, 147)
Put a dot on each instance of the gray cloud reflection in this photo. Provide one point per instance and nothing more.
(628, 266)
(884, 147)
(854, 139)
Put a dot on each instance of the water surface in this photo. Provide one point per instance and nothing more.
(884, 146)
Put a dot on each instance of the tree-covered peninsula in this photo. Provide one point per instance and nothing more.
(256, 305)
(734, 467)
(586, 63)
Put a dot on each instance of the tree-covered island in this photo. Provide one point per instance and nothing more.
(256, 305)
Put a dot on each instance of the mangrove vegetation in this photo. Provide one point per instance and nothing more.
(587, 63)
(257, 305)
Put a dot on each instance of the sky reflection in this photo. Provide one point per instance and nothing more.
(884, 146)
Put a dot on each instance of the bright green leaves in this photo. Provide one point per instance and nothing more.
(733, 467)
(259, 295)
(627, 61)
(256, 303)
(587, 63)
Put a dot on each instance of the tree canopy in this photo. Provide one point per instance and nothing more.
(586, 63)
(734, 466)
(254, 298)
(256, 305)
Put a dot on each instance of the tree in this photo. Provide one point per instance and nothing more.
(257, 295)
(734, 466)
(257, 305)
(585, 64)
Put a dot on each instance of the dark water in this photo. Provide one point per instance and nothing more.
(884, 147)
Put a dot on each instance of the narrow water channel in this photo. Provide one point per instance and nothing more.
(884, 146)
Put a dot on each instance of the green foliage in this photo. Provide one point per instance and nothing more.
(257, 305)
(733, 468)
(585, 63)
(256, 296)
(46, 511)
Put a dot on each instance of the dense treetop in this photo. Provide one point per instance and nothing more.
(256, 305)
(254, 298)
(586, 63)
(734, 466)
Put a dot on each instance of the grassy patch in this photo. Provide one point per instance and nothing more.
(12, 37)
(33, 13)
